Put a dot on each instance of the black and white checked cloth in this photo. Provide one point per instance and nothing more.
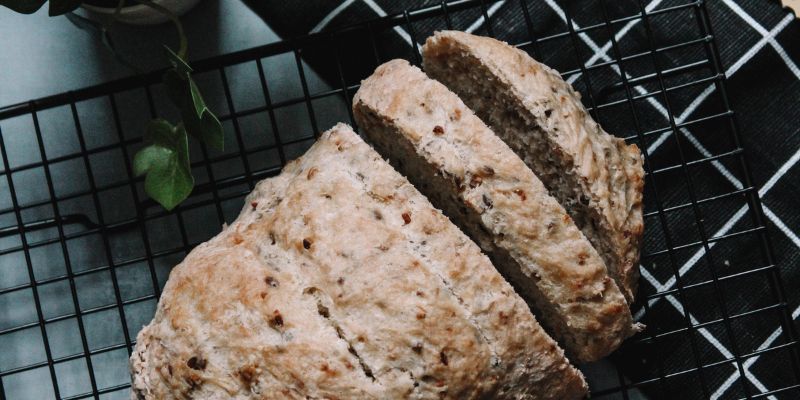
(759, 44)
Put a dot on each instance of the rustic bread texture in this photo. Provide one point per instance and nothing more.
(339, 280)
(596, 177)
(464, 169)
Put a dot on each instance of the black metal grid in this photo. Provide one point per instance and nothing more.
(106, 237)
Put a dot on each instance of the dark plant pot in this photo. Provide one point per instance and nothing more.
(137, 14)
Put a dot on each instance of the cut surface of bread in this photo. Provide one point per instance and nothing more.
(488, 191)
(340, 280)
(596, 177)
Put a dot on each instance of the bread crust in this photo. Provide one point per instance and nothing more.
(339, 280)
(597, 177)
(430, 135)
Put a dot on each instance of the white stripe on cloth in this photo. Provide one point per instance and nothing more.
(481, 20)
(331, 15)
(750, 53)
(400, 31)
(766, 38)
(706, 334)
(761, 30)
(752, 360)
(681, 118)
(782, 226)
(618, 36)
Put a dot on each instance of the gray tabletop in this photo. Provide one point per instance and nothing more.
(40, 55)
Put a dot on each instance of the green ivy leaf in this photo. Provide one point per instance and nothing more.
(23, 6)
(197, 99)
(59, 7)
(169, 178)
(209, 126)
(160, 132)
(166, 161)
(200, 122)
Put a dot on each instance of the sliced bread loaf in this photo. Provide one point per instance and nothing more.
(339, 280)
(467, 171)
(596, 177)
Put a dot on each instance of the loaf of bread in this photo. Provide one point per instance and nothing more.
(339, 280)
(466, 170)
(596, 177)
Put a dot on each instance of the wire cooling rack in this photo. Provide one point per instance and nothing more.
(84, 253)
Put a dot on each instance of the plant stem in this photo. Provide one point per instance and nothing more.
(109, 23)
(183, 47)
(117, 12)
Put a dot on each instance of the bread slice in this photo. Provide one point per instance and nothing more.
(467, 171)
(596, 177)
(340, 280)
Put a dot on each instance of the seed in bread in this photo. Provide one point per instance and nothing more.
(467, 171)
(596, 177)
(339, 280)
